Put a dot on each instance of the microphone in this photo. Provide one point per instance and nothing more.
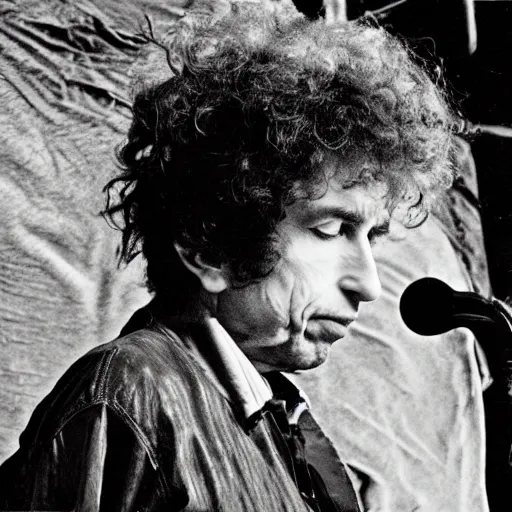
(429, 306)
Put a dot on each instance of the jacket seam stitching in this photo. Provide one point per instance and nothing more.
(151, 452)
(103, 370)
(117, 409)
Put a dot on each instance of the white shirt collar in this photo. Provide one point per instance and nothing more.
(251, 389)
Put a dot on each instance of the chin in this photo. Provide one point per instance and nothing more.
(311, 358)
(295, 354)
(309, 364)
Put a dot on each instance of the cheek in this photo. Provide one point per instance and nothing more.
(282, 297)
(309, 286)
(315, 267)
(277, 292)
(305, 283)
(263, 306)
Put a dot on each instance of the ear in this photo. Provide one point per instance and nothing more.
(213, 279)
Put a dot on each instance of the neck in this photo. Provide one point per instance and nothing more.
(189, 307)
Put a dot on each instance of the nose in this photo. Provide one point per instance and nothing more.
(360, 279)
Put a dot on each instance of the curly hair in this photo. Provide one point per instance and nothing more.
(215, 152)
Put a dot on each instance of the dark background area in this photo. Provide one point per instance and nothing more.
(481, 84)
(486, 78)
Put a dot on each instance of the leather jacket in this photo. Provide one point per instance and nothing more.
(141, 424)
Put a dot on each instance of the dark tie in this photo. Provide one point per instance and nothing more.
(319, 473)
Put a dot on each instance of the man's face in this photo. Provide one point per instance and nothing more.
(290, 319)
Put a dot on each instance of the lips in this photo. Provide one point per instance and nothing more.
(327, 329)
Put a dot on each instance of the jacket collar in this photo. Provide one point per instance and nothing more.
(215, 351)
(249, 392)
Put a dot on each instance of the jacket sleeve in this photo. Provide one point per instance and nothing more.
(98, 463)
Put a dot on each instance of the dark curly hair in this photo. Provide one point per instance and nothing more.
(215, 152)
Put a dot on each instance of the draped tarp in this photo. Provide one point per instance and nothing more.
(404, 411)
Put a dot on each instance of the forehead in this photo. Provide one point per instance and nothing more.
(345, 186)
(359, 205)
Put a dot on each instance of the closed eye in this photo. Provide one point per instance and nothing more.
(331, 230)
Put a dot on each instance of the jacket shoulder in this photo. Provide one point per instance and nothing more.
(124, 373)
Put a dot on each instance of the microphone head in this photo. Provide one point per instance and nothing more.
(427, 307)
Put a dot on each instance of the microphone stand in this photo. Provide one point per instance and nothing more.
(429, 306)
(496, 340)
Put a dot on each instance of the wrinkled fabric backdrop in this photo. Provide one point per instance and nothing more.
(404, 411)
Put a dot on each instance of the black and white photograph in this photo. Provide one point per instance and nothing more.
(256, 255)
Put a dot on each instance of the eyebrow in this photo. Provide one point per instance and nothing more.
(380, 229)
(338, 212)
(317, 213)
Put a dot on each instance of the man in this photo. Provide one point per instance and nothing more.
(255, 182)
